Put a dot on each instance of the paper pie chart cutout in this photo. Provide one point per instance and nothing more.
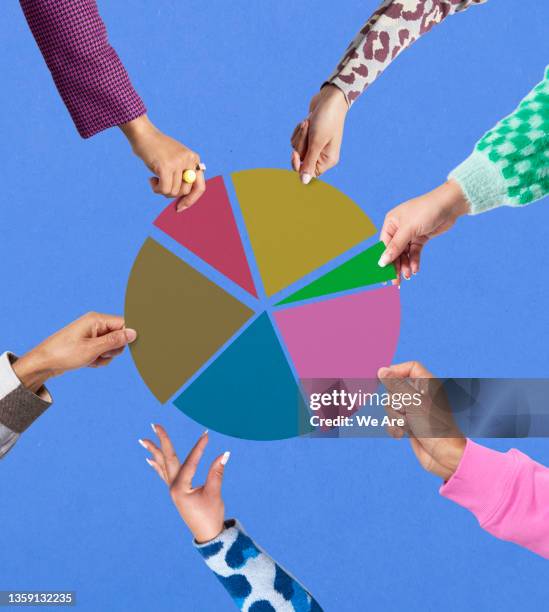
(262, 283)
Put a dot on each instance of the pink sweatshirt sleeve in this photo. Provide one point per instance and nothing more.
(507, 492)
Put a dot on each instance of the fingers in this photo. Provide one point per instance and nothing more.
(110, 343)
(300, 138)
(389, 229)
(393, 383)
(405, 269)
(157, 469)
(171, 461)
(163, 183)
(407, 369)
(326, 161)
(169, 180)
(309, 167)
(177, 182)
(157, 462)
(214, 480)
(112, 354)
(190, 465)
(395, 245)
(296, 161)
(97, 324)
(415, 256)
(196, 191)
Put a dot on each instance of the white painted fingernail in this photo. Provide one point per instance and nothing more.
(204, 433)
(226, 457)
(383, 260)
(149, 461)
(306, 178)
(153, 427)
(142, 443)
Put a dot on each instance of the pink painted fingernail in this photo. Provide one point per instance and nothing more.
(226, 457)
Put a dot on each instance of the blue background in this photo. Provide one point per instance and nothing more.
(356, 520)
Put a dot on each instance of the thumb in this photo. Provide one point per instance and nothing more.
(214, 480)
(396, 246)
(111, 342)
(308, 167)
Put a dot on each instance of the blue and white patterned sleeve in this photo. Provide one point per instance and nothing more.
(252, 578)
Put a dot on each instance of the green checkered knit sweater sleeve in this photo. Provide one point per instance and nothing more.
(510, 163)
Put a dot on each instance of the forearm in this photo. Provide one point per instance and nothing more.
(20, 405)
(510, 163)
(250, 575)
(88, 73)
(394, 26)
(507, 492)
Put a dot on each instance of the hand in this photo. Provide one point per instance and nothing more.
(168, 159)
(93, 340)
(201, 508)
(436, 440)
(410, 225)
(317, 140)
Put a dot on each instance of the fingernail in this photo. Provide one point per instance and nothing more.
(131, 334)
(306, 178)
(142, 443)
(383, 372)
(383, 260)
(204, 433)
(406, 277)
(149, 462)
(153, 427)
(226, 457)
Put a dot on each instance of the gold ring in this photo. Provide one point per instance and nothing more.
(189, 176)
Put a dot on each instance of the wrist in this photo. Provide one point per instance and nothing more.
(137, 129)
(453, 452)
(32, 370)
(333, 94)
(204, 535)
(455, 198)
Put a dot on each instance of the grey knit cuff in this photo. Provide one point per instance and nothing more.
(481, 182)
(20, 407)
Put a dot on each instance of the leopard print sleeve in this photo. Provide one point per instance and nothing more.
(393, 27)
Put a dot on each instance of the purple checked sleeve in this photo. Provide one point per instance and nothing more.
(87, 71)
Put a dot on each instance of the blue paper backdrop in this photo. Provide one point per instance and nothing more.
(356, 520)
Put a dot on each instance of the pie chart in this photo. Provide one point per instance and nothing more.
(262, 286)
